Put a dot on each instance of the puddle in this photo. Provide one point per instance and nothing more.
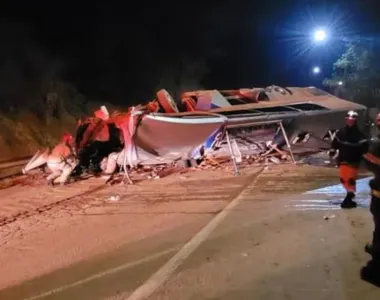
(330, 197)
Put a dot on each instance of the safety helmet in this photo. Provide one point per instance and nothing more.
(67, 137)
(352, 115)
(351, 118)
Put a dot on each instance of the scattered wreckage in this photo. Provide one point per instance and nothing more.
(259, 124)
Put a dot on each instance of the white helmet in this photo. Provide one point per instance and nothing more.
(352, 115)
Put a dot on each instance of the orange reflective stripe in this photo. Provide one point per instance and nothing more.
(372, 158)
(348, 175)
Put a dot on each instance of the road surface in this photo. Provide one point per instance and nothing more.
(278, 234)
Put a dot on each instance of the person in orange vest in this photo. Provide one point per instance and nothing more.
(351, 144)
(371, 272)
(61, 161)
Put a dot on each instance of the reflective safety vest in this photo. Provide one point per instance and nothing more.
(372, 158)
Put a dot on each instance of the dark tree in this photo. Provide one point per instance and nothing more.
(356, 74)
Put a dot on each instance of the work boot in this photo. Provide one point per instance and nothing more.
(348, 202)
(368, 249)
(371, 273)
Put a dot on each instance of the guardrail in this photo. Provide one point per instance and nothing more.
(12, 168)
(7, 165)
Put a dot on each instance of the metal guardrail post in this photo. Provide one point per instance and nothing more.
(232, 154)
(287, 142)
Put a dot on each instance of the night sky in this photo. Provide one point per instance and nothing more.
(116, 50)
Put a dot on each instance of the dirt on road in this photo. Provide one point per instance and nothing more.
(47, 228)
(90, 241)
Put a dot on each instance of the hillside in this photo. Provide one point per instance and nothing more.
(24, 132)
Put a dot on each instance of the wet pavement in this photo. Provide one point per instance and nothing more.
(330, 197)
(275, 243)
(263, 251)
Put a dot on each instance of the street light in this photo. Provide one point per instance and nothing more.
(320, 35)
(316, 70)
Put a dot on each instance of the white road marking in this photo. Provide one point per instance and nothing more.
(312, 201)
(162, 275)
(311, 205)
(317, 208)
(103, 274)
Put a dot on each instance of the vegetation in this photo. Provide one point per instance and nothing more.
(358, 71)
(46, 83)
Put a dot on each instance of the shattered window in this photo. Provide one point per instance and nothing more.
(275, 109)
(263, 96)
(238, 101)
(308, 106)
(225, 93)
(239, 112)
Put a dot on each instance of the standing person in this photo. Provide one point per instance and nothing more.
(61, 161)
(371, 272)
(351, 144)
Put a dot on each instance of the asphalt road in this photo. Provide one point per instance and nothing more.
(280, 235)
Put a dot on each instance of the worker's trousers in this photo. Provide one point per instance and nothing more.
(61, 170)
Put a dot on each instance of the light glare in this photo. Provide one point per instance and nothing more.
(320, 35)
(316, 70)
